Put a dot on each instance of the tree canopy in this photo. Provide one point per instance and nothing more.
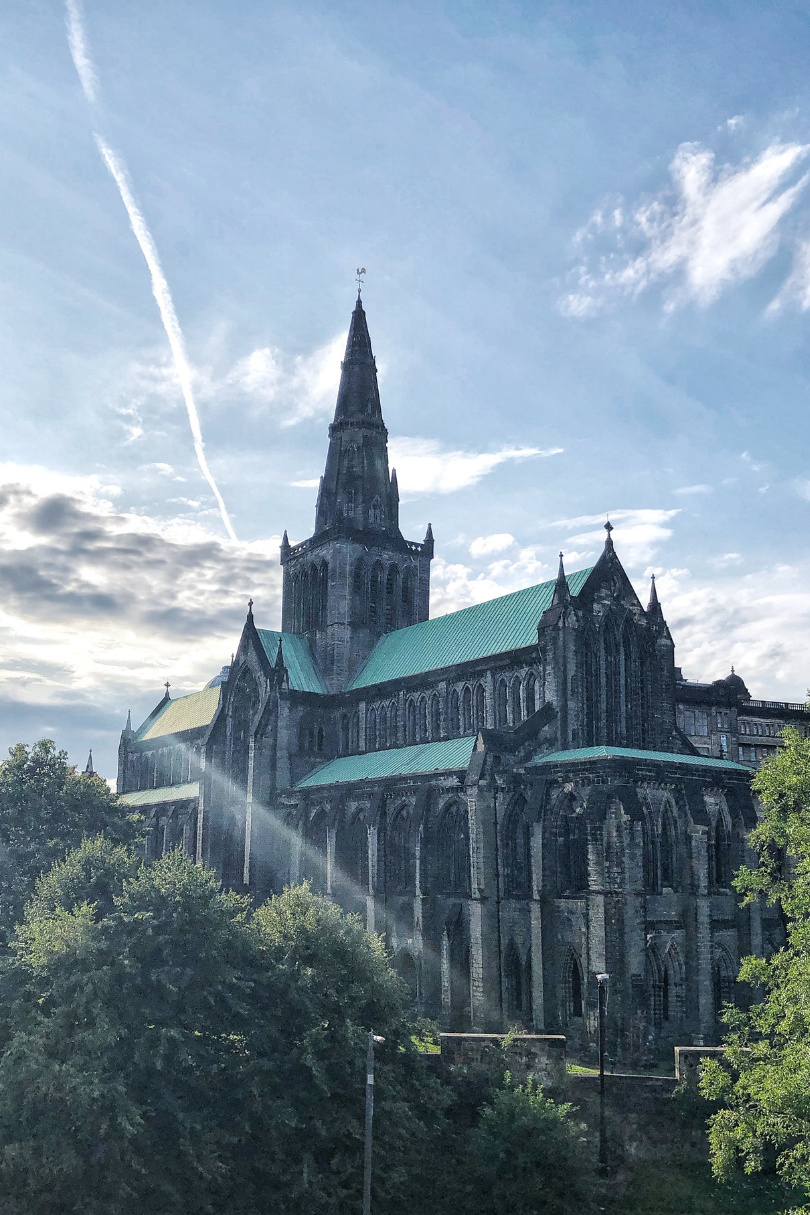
(46, 808)
(764, 1077)
(162, 1048)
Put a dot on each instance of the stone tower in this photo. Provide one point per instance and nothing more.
(356, 577)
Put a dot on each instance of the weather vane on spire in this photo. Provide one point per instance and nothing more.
(360, 274)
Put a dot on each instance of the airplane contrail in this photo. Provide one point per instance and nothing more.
(83, 63)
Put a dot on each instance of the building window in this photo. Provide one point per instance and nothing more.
(375, 512)
(382, 728)
(397, 853)
(500, 705)
(466, 707)
(531, 693)
(480, 718)
(517, 851)
(344, 734)
(435, 717)
(696, 722)
(371, 730)
(423, 720)
(574, 986)
(514, 698)
(573, 853)
(668, 850)
(514, 984)
(410, 722)
(391, 589)
(453, 852)
(455, 717)
(392, 726)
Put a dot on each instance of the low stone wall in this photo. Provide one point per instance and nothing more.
(541, 1055)
(687, 1062)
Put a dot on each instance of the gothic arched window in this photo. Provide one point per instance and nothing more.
(423, 720)
(407, 596)
(531, 693)
(344, 734)
(517, 851)
(371, 730)
(382, 728)
(455, 716)
(514, 697)
(453, 850)
(720, 853)
(574, 986)
(410, 722)
(392, 725)
(323, 594)
(244, 705)
(319, 740)
(500, 705)
(435, 717)
(573, 853)
(375, 511)
(398, 853)
(315, 851)
(466, 708)
(391, 588)
(359, 592)
(514, 983)
(478, 707)
(355, 732)
(613, 687)
(352, 852)
(668, 849)
(632, 690)
(722, 981)
(376, 593)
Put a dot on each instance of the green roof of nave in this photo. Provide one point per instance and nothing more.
(297, 657)
(507, 623)
(182, 713)
(450, 755)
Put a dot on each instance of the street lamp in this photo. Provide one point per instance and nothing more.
(603, 981)
(372, 1038)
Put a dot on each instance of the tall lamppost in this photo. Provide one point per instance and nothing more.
(602, 986)
(372, 1038)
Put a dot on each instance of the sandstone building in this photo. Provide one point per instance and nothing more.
(520, 794)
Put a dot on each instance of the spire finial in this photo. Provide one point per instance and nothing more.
(250, 609)
(90, 770)
(609, 539)
(128, 726)
(653, 595)
(359, 280)
(732, 668)
(167, 685)
(561, 592)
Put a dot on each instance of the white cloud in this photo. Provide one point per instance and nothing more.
(726, 559)
(313, 483)
(637, 536)
(796, 289)
(752, 464)
(694, 489)
(482, 546)
(299, 388)
(424, 468)
(714, 228)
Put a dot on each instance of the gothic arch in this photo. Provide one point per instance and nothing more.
(591, 688)
(516, 995)
(376, 598)
(382, 728)
(631, 689)
(359, 592)
(351, 857)
(314, 858)
(612, 682)
(410, 722)
(345, 741)
(530, 693)
(572, 849)
(392, 724)
(398, 848)
(517, 850)
(514, 702)
(371, 730)
(573, 987)
(720, 866)
(479, 708)
(669, 846)
(422, 721)
(453, 850)
(408, 596)
(723, 975)
(435, 717)
(466, 709)
(501, 698)
(391, 596)
(454, 714)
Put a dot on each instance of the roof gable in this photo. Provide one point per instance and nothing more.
(297, 656)
(507, 623)
(183, 713)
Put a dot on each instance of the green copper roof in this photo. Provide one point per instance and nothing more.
(298, 659)
(182, 713)
(154, 797)
(564, 757)
(506, 623)
(452, 755)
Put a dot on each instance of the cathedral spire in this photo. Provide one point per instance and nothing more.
(90, 770)
(561, 591)
(356, 492)
(653, 596)
(608, 538)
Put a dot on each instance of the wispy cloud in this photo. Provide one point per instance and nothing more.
(77, 41)
(637, 535)
(711, 229)
(423, 467)
(685, 490)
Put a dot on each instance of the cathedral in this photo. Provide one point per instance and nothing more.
(519, 795)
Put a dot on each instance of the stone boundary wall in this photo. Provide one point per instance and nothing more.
(687, 1062)
(541, 1055)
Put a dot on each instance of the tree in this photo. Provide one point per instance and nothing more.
(164, 1049)
(527, 1156)
(46, 808)
(764, 1078)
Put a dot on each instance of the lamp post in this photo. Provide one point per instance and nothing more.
(602, 981)
(372, 1038)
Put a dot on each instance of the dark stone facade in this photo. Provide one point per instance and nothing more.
(590, 822)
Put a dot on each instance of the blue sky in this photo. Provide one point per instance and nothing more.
(587, 235)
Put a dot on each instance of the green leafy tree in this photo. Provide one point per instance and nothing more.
(46, 808)
(764, 1077)
(527, 1156)
(163, 1049)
